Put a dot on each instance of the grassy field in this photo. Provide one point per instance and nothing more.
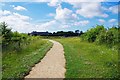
(88, 60)
(18, 64)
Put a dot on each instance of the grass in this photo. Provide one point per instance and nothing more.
(18, 64)
(88, 60)
(0, 62)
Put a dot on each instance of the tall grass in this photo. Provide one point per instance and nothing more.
(88, 60)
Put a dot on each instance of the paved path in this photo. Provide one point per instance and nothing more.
(52, 65)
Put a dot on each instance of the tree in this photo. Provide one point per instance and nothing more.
(77, 31)
(6, 33)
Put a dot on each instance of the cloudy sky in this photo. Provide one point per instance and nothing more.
(57, 15)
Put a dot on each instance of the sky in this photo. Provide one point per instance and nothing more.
(58, 15)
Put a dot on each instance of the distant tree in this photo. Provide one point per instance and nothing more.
(77, 31)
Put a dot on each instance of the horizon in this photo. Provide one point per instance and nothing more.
(26, 17)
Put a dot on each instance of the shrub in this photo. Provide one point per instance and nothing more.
(13, 40)
(101, 39)
(101, 35)
(92, 34)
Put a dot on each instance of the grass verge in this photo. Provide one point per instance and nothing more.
(18, 64)
(87, 60)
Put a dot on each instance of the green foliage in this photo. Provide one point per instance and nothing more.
(88, 60)
(18, 64)
(92, 34)
(6, 33)
(20, 52)
(101, 35)
(13, 41)
(109, 37)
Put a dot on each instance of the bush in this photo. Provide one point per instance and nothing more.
(92, 34)
(13, 41)
(101, 39)
(109, 37)
(101, 35)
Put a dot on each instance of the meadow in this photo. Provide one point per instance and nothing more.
(88, 60)
(17, 64)
(93, 54)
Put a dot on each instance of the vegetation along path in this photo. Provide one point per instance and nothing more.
(52, 65)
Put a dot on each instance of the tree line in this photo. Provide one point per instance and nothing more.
(58, 33)
(67, 33)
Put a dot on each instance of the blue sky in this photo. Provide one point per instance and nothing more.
(56, 16)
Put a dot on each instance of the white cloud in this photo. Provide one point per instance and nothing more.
(52, 26)
(40, 0)
(82, 23)
(22, 17)
(48, 24)
(63, 18)
(45, 26)
(59, 0)
(21, 23)
(19, 8)
(104, 15)
(65, 26)
(4, 12)
(77, 3)
(72, 1)
(74, 16)
(17, 22)
(90, 10)
(112, 20)
(114, 9)
(62, 13)
(54, 2)
(65, 14)
(101, 20)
